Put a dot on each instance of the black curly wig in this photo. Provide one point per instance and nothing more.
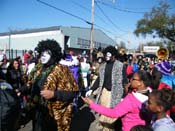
(51, 45)
(112, 50)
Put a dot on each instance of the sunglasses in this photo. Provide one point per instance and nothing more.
(133, 79)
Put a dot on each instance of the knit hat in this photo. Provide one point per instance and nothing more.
(164, 67)
(68, 57)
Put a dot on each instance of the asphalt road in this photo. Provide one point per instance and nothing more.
(83, 120)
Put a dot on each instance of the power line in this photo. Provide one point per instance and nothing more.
(127, 10)
(109, 18)
(83, 7)
(119, 9)
(111, 32)
(131, 9)
(75, 16)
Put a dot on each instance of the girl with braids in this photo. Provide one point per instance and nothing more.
(156, 76)
(159, 81)
(159, 102)
(53, 89)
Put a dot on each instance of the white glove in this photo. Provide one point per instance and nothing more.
(88, 93)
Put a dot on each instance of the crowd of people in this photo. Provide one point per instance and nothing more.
(148, 97)
(44, 87)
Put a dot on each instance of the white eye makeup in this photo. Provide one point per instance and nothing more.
(45, 57)
(108, 56)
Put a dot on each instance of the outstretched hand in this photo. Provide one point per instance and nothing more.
(87, 100)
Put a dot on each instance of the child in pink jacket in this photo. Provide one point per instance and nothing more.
(131, 108)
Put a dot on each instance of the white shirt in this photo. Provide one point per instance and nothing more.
(164, 124)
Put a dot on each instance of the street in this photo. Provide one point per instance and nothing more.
(83, 120)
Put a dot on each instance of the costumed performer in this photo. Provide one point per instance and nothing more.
(53, 89)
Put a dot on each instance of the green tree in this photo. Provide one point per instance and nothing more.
(170, 46)
(157, 22)
(158, 43)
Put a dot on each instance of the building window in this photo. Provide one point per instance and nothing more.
(83, 43)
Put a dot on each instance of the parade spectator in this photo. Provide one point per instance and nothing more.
(53, 89)
(25, 57)
(156, 76)
(85, 70)
(9, 107)
(73, 63)
(95, 67)
(9, 101)
(159, 102)
(144, 64)
(130, 58)
(4, 63)
(109, 82)
(134, 64)
(3, 67)
(132, 109)
(165, 68)
(31, 58)
(32, 61)
(161, 78)
(14, 75)
(124, 59)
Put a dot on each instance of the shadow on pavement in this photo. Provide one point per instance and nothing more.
(82, 120)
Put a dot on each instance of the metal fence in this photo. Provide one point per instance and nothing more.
(11, 54)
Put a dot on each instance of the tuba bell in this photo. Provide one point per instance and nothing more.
(162, 53)
(122, 51)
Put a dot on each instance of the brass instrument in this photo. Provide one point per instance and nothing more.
(122, 51)
(162, 53)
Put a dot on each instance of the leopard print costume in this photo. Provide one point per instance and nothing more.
(59, 78)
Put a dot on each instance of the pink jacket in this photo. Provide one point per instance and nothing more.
(128, 110)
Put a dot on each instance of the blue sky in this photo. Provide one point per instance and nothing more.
(117, 18)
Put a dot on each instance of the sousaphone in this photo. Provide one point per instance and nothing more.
(162, 53)
(122, 51)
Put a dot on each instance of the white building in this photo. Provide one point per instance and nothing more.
(69, 38)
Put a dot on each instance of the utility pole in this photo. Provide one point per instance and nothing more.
(92, 33)
(9, 44)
